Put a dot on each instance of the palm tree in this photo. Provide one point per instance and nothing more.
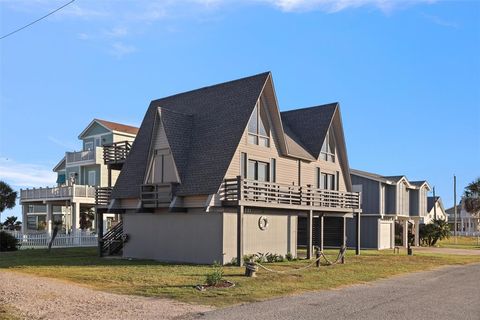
(7, 197)
(471, 198)
(10, 222)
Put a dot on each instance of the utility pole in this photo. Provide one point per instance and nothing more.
(434, 205)
(455, 205)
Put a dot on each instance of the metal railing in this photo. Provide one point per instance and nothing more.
(258, 192)
(102, 195)
(157, 195)
(116, 152)
(78, 156)
(83, 191)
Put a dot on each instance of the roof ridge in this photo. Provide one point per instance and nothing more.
(311, 107)
(122, 124)
(212, 86)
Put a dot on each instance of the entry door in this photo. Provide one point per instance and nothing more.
(385, 235)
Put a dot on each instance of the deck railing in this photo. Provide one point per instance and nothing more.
(102, 195)
(41, 240)
(258, 193)
(116, 152)
(83, 191)
(79, 156)
(157, 195)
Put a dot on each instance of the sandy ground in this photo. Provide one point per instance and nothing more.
(44, 298)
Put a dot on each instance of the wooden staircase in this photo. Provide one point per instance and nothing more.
(112, 241)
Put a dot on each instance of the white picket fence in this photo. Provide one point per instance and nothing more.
(41, 240)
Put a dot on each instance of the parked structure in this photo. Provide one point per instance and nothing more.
(467, 225)
(78, 174)
(392, 207)
(435, 210)
(219, 172)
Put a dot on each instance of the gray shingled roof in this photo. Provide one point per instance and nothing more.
(204, 127)
(216, 117)
(310, 125)
(431, 202)
(394, 178)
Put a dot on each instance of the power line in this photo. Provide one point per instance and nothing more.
(28, 25)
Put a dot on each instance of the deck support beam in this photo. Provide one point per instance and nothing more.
(357, 248)
(99, 218)
(310, 235)
(322, 223)
(240, 212)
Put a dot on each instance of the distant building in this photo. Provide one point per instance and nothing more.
(467, 225)
(434, 207)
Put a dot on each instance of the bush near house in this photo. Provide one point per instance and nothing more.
(433, 232)
(8, 242)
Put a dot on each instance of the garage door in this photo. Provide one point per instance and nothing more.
(385, 235)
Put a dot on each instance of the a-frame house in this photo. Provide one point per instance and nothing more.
(219, 172)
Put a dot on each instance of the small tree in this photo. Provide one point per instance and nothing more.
(11, 223)
(471, 198)
(431, 233)
(7, 197)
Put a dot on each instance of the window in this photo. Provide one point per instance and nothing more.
(37, 208)
(89, 145)
(258, 170)
(98, 141)
(258, 132)
(326, 181)
(327, 152)
(91, 178)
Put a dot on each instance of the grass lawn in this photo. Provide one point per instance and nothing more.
(460, 243)
(153, 279)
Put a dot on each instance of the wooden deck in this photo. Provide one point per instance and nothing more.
(243, 192)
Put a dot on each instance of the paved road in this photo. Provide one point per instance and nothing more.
(445, 293)
(465, 252)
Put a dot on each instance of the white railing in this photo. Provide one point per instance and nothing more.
(78, 156)
(58, 192)
(41, 240)
(467, 233)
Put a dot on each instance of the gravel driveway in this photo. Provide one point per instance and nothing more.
(45, 298)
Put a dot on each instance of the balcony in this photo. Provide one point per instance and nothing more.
(58, 193)
(157, 195)
(116, 153)
(274, 195)
(102, 196)
(80, 156)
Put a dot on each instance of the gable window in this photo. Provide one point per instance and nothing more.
(327, 152)
(258, 131)
(258, 170)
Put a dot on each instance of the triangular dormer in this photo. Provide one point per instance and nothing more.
(162, 168)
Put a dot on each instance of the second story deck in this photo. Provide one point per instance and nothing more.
(274, 195)
(58, 193)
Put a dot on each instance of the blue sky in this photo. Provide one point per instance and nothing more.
(406, 73)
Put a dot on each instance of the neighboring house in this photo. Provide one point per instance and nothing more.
(467, 225)
(435, 210)
(219, 172)
(392, 207)
(78, 173)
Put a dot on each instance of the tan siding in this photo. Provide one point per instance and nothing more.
(195, 201)
(286, 167)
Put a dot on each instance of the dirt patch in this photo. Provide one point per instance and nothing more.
(44, 298)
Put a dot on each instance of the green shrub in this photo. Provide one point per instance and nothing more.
(289, 256)
(215, 276)
(8, 242)
(433, 232)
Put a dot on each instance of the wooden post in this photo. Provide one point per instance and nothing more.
(240, 211)
(310, 234)
(100, 232)
(357, 248)
(109, 176)
(322, 223)
(344, 237)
